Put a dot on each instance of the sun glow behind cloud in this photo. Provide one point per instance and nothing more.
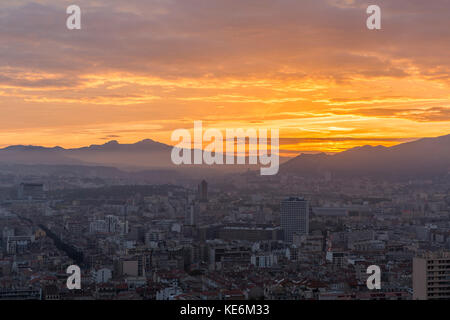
(140, 70)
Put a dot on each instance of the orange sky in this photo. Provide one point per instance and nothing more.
(141, 69)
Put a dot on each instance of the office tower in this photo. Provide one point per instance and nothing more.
(98, 226)
(294, 217)
(202, 191)
(260, 217)
(190, 217)
(31, 191)
(112, 223)
(431, 276)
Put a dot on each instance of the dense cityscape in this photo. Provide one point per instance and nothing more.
(295, 238)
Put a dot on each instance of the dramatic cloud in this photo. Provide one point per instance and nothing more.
(140, 69)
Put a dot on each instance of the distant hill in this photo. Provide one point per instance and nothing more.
(428, 156)
(36, 155)
(144, 154)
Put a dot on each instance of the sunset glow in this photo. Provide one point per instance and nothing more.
(141, 69)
